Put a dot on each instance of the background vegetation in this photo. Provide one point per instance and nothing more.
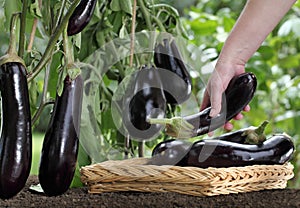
(200, 26)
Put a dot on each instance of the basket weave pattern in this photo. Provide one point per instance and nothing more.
(136, 175)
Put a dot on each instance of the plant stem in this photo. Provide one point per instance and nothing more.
(33, 30)
(145, 14)
(141, 148)
(57, 32)
(61, 11)
(44, 96)
(22, 28)
(115, 54)
(159, 23)
(32, 34)
(132, 36)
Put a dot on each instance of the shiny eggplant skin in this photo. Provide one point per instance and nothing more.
(143, 99)
(170, 152)
(177, 85)
(238, 94)
(278, 149)
(81, 16)
(16, 135)
(60, 146)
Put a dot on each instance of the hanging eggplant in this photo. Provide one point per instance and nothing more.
(81, 16)
(61, 141)
(143, 98)
(175, 77)
(16, 135)
(60, 146)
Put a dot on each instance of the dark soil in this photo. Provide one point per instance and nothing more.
(79, 197)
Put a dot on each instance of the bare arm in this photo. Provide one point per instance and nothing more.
(256, 21)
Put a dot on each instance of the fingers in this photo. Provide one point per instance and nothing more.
(205, 102)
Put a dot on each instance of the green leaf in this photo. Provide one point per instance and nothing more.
(115, 5)
(82, 160)
(266, 52)
(11, 6)
(290, 61)
(204, 27)
(35, 9)
(126, 6)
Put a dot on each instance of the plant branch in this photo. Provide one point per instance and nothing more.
(32, 34)
(132, 36)
(51, 44)
(22, 28)
(44, 101)
(63, 5)
(145, 14)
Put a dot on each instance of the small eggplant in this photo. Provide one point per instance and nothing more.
(143, 98)
(60, 146)
(81, 16)
(238, 94)
(174, 74)
(278, 149)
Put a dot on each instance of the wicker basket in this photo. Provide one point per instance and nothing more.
(135, 175)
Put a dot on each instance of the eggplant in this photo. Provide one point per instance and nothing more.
(61, 142)
(81, 16)
(276, 150)
(16, 133)
(172, 151)
(237, 95)
(143, 98)
(177, 82)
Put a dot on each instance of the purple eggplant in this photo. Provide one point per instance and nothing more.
(238, 94)
(60, 146)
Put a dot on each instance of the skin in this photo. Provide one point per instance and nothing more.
(256, 21)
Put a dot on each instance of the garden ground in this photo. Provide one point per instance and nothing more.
(79, 197)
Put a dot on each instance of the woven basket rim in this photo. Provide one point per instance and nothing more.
(135, 175)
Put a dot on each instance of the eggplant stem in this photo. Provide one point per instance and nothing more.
(261, 128)
(11, 54)
(256, 135)
(13, 25)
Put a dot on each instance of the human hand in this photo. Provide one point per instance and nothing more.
(216, 86)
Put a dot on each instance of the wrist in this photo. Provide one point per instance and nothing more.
(230, 67)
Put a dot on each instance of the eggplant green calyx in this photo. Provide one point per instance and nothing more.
(73, 71)
(255, 135)
(176, 126)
